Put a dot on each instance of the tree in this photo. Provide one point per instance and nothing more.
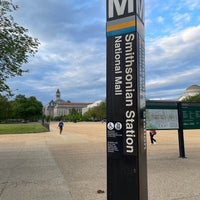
(5, 108)
(15, 45)
(97, 112)
(34, 108)
(73, 116)
(27, 108)
(101, 111)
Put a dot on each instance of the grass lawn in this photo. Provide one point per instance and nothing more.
(22, 128)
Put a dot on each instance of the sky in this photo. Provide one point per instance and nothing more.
(72, 52)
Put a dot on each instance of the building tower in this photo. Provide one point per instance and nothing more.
(57, 94)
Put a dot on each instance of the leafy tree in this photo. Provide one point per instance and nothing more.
(194, 99)
(17, 106)
(101, 111)
(74, 116)
(47, 118)
(97, 112)
(34, 109)
(27, 108)
(15, 45)
(5, 108)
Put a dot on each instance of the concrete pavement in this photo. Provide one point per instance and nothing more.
(72, 166)
(28, 170)
(49, 166)
(171, 177)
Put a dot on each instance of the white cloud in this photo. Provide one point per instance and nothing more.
(178, 49)
(180, 19)
(72, 56)
(192, 4)
(170, 78)
(160, 19)
(173, 61)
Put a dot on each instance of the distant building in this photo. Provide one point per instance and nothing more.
(96, 103)
(193, 90)
(60, 107)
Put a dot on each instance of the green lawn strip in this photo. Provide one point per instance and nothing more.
(22, 128)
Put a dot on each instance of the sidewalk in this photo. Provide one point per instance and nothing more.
(49, 166)
(171, 177)
(28, 170)
(72, 166)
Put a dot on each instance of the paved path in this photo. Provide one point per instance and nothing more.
(72, 166)
(49, 166)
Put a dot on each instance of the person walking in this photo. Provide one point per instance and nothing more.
(60, 126)
(152, 134)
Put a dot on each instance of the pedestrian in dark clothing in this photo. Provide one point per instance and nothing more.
(60, 126)
(152, 133)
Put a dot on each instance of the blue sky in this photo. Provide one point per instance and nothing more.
(72, 53)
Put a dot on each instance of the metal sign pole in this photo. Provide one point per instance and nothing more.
(180, 131)
(126, 136)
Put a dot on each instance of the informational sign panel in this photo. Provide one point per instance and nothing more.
(162, 119)
(126, 138)
(191, 115)
(162, 115)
